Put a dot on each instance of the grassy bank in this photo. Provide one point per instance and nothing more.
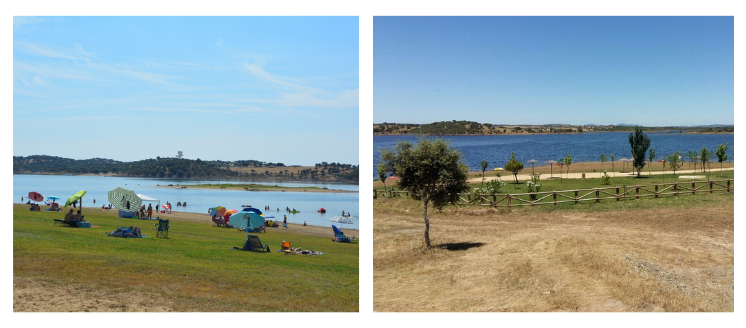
(669, 254)
(193, 270)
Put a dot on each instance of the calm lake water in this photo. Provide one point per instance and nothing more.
(199, 200)
(584, 147)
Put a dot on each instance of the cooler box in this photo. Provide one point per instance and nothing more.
(84, 224)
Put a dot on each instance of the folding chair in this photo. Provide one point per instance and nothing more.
(161, 228)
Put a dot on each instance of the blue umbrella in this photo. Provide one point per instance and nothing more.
(247, 221)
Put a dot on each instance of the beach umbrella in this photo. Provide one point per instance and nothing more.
(551, 163)
(253, 210)
(532, 161)
(247, 221)
(227, 215)
(53, 198)
(217, 210)
(77, 196)
(120, 196)
(35, 196)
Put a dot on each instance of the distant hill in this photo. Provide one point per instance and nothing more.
(474, 128)
(186, 168)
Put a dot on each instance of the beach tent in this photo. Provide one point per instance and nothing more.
(149, 199)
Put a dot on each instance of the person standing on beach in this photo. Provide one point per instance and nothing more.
(150, 211)
(285, 221)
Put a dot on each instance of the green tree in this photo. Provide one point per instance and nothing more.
(705, 156)
(651, 156)
(674, 161)
(603, 160)
(382, 175)
(722, 154)
(430, 171)
(179, 154)
(693, 157)
(568, 162)
(484, 168)
(640, 142)
(514, 166)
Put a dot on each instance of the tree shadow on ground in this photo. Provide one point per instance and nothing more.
(459, 246)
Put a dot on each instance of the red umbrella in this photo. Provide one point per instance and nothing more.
(35, 196)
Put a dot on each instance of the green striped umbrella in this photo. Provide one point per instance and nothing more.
(119, 198)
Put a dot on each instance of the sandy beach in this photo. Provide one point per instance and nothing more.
(207, 220)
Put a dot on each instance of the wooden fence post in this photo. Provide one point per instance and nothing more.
(710, 186)
(617, 194)
(728, 186)
(554, 197)
(494, 199)
(656, 191)
(576, 196)
(508, 200)
(675, 190)
(597, 200)
(694, 188)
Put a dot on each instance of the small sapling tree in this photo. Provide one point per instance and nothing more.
(568, 162)
(603, 160)
(674, 161)
(484, 168)
(382, 175)
(431, 171)
(705, 156)
(693, 157)
(612, 164)
(514, 166)
(722, 154)
(651, 157)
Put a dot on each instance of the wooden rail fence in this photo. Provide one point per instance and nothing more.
(582, 195)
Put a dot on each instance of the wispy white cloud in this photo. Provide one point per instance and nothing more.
(41, 51)
(344, 99)
(201, 110)
(260, 73)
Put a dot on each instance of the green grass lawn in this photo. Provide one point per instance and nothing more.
(195, 267)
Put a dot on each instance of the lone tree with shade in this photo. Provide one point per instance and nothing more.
(640, 142)
(382, 175)
(722, 154)
(430, 171)
(484, 168)
(514, 166)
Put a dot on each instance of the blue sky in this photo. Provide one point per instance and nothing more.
(652, 71)
(274, 89)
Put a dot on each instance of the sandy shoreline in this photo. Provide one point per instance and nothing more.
(310, 230)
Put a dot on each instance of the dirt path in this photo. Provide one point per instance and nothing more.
(507, 176)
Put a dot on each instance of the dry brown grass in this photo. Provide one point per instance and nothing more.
(626, 259)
